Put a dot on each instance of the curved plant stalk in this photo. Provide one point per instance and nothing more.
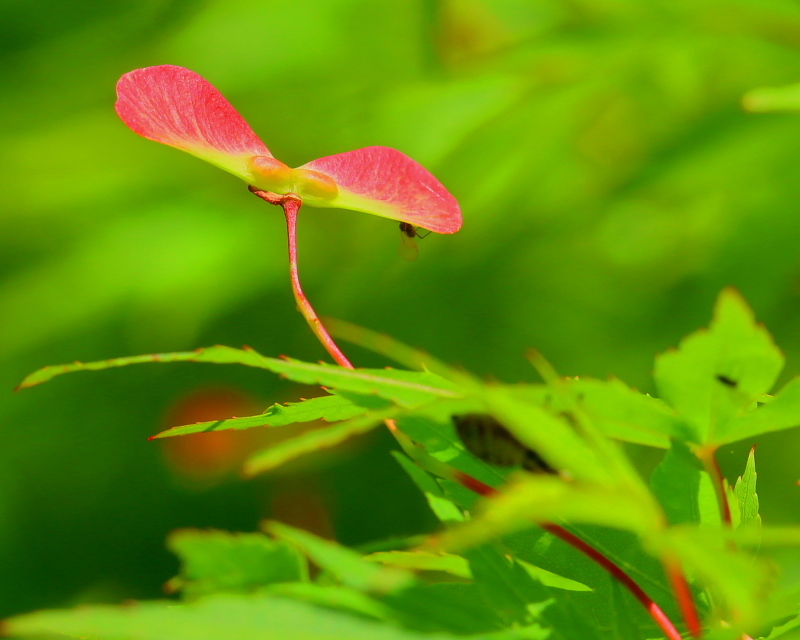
(291, 205)
(683, 594)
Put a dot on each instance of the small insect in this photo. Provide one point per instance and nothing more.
(488, 440)
(728, 382)
(408, 235)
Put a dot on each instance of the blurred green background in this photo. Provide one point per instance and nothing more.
(611, 185)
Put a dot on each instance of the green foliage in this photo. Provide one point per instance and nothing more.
(330, 408)
(746, 495)
(492, 572)
(216, 561)
(222, 616)
(716, 375)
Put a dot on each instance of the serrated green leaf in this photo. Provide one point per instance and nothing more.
(622, 413)
(718, 373)
(404, 387)
(676, 484)
(227, 617)
(746, 495)
(218, 355)
(218, 561)
(538, 547)
(346, 565)
(781, 412)
(329, 408)
(310, 441)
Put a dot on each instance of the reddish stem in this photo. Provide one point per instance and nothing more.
(291, 205)
(683, 594)
(656, 612)
(708, 457)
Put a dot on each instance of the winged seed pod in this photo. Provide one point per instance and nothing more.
(178, 107)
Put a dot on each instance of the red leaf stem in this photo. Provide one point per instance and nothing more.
(656, 612)
(708, 457)
(685, 599)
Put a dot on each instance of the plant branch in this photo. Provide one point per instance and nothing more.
(291, 205)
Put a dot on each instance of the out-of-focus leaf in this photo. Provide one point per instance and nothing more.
(224, 616)
(454, 607)
(718, 373)
(789, 630)
(537, 499)
(765, 99)
(435, 432)
(676, 483)
(217, 561)
(521, 600)
(403, 387)
(347, 566)
(739, 582)
(623, 413)
(552, 437)
(314, 440)
(334, 597)
(625, 624)
(442, 508)
(781, 412)
(623, 548)
(550, 579)
(505, 585)
(391, 348)
(745, 491)
(330, 408)
(423, 561)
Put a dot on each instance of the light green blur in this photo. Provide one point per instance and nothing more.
(611, 183)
